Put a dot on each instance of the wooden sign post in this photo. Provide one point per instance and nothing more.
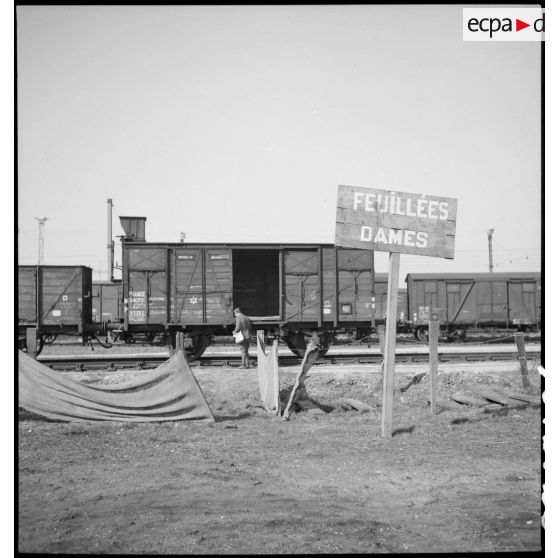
(433, 332)
(398, 223)
(520, 343)
(389, 347)
(382, 338)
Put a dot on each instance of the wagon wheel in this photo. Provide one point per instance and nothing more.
(459, 333)
(49, 339)
(200, 342)
(40, 345)
(421, 334)
(129, 339)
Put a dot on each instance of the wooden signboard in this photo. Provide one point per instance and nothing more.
(397, 222)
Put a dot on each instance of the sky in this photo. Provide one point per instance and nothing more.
(238, 123)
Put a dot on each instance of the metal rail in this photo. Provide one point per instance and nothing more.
(147, 362)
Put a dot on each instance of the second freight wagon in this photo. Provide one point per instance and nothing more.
(466, 300)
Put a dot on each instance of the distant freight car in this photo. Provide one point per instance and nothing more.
(380, 303)
(53, 300)
(290, 290)
(107, 302)
(465, 300)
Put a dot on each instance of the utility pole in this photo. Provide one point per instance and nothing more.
(41, 256)
(490, 233)
(110, 242)
(182, 237)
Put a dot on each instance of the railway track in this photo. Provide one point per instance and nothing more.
(147, 361)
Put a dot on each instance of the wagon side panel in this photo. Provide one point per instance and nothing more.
(419, 306)
(380, 297)
(27, 295)
(188, 286)
(402, 315)
(522, 302)
(218, 286)
(86, 287)
(492, 302)
(147, 286)
(329, 285)
(65, 295)
(356, 285)
(97, 302)
(461, 301)
(301, 289)
(106, 302)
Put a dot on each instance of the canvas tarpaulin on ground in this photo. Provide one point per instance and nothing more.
(170, 392)
(268, 376)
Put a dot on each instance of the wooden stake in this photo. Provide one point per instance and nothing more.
(312, 350)
(31, 341)
(433, 330)
(179, 338)
(389, 351)
(520, 342)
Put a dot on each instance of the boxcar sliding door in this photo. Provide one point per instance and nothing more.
(218, 286)
(461, 302)
(301, 291)
(523, 304)
(492, 302)
(355, 270)
(202, 286)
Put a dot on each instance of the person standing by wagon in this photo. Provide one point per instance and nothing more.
(244, 325)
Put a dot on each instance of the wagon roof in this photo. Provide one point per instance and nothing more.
(483, 276)
(54, 267)
(231, 245)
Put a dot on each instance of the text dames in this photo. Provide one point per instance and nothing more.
(395, 205)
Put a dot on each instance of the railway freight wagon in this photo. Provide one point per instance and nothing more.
(107, 302)
(290, 290)
(53, 300)
(380, 302)
(465, 300)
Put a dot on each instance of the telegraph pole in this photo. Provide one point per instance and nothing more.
(41, 257)
(110, 242)
(490, 233)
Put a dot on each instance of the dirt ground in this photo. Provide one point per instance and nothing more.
(321, 482)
